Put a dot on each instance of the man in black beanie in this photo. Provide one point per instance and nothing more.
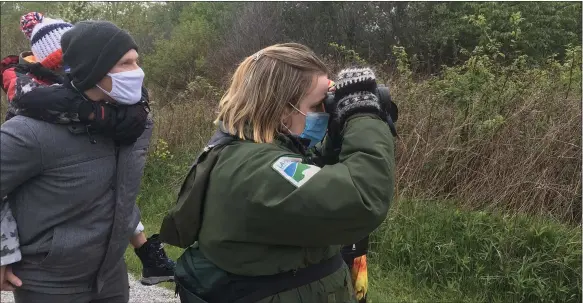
(92, 48)
(90, 61)
(72, 190)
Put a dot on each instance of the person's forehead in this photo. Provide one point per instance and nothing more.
(321, 85)
(317, 91)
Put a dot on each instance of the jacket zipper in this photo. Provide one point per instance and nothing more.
(91, 139)
(114, 185)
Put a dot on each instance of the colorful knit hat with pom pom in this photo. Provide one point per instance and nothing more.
(45, 38)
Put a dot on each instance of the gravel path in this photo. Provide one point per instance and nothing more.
(138, 294)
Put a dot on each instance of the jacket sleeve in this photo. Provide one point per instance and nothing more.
(9, 82)
(323, 154)
(20, 155)
(7, 65)
(304, 205)
(21, 85)
(16, 83)
(20, 160)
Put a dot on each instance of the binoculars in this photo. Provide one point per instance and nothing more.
(383, 94)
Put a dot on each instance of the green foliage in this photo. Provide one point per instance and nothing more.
(486, 256)
(495, 73)
(78, 11)
(347, 55)
(200, 89)
(536, 29)
(162, 177)
(176, 61)
(184, 37)
(144, 21)
(434, 33)
(403, 64)
(571, 69)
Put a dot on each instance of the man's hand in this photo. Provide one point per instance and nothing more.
(8, 281)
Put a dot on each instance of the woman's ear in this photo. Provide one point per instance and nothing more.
(286, 119)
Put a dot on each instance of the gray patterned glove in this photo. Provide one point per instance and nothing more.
(355, 93)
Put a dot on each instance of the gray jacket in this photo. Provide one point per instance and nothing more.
(73, 201)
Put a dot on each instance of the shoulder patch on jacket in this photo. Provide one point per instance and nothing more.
(293, 170)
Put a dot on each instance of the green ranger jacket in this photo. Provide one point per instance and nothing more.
(262, 209)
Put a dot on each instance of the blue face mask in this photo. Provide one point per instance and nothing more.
(315, 128)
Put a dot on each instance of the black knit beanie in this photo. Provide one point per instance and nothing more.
(91, 49)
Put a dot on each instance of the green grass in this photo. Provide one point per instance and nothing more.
(428, 251)
(447, 254)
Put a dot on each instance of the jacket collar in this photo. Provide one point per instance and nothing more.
(292, 142)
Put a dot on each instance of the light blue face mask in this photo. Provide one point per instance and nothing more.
(316, 126)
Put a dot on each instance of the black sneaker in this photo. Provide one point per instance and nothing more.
(156, 266)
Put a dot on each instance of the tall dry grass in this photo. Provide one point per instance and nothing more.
(185, 120)
(530, 163)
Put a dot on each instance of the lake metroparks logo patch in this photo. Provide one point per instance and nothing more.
(293, 170)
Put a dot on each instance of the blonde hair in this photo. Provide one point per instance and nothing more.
(263, 85)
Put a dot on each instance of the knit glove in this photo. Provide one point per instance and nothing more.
(355, 94)
(99, 115)
(123, 123)
(131, 122)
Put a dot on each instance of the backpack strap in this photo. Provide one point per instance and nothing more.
(245, 289)
(181, 225)
(219, 139)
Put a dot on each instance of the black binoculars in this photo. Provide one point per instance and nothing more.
(383, 94)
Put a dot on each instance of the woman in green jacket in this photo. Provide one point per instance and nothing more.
(262, 213)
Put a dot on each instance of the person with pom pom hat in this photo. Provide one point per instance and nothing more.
(45, 35)
(45, 39)
(75, 201)
(42, 65)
